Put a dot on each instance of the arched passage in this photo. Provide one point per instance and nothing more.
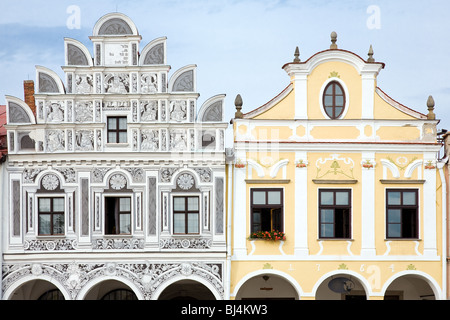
(36, 290)
(110, 290)
(411, 287)
(341, 286)
(268, 286)
(186, 290)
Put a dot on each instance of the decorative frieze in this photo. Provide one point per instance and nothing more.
(147, 277)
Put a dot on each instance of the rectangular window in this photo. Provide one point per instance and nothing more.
(117, 215)
(51, 216)
(186, 215)
(266, 210)
(334, 213)
(117, 129)
(402, 213)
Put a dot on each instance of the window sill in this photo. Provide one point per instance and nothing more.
(403, 239)
(335, 239)
(116, 145)
(117, 236)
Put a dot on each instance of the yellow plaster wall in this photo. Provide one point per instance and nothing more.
(403, 133)
(335, 132)
(383, 110)
(348, 74)
(285, 109)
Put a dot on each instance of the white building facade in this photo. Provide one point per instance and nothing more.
(116, 183)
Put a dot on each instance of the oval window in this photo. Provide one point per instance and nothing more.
(334, 100)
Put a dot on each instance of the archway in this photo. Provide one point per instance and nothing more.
(37, 290)
(267, 286)
(410, 287)
(110, 290)
(341, 286)
(186, 290)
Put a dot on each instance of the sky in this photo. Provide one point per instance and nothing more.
(239, 46)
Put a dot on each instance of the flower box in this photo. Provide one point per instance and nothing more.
(273, 235)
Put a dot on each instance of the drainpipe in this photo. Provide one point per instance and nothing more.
(443, 172)
(3, 204)
(229, 155)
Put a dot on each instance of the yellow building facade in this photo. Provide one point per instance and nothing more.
(347, 182)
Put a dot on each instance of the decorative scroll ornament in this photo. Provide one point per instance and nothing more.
(117, 182)
(50, 182)
(185, 181)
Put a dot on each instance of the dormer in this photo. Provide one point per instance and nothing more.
(116, 41)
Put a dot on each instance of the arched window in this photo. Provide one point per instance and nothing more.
(334, 100)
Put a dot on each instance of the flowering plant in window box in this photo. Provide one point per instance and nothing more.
(268, 235)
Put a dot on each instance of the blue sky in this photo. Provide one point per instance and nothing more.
(239, 46)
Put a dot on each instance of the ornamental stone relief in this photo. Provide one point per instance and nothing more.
(97, 174)
(149, 110)
(54, 140)
(124, 244)
(178, 110)
(50, 182)
(178, 140)
(55, 111)
(149, 83)
(84, 140)
(155, 55)
(117, 83)
(147, 277)
(117, 181)
(50, 245)
(68, 173)
(29, 175)
(150, 140)
(185, 181)
(190, 243)
(84, 111)
(84, 83)
(137, 174)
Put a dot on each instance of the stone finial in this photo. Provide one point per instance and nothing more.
(430, 105)
(333, 40)
(370, 54)
(238, 103)
(296, 55)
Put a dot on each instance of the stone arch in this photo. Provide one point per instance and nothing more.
(268, 272)
(18, 111)
(48, 81)
(115, 24)
(212, 109)
(430, 281)
(179, 278)
(183, 80)
(154, 52)
(320, 289)
(76, 53)
(34, 281)
(107, 281)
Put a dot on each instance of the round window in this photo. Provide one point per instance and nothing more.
(334, 100)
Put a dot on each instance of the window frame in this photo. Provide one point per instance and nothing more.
(186, 213)
(333, 83)
(117, 130)
(52, 213)
(402, 207)
(267, 206)
(106, 216)
(347, 234)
